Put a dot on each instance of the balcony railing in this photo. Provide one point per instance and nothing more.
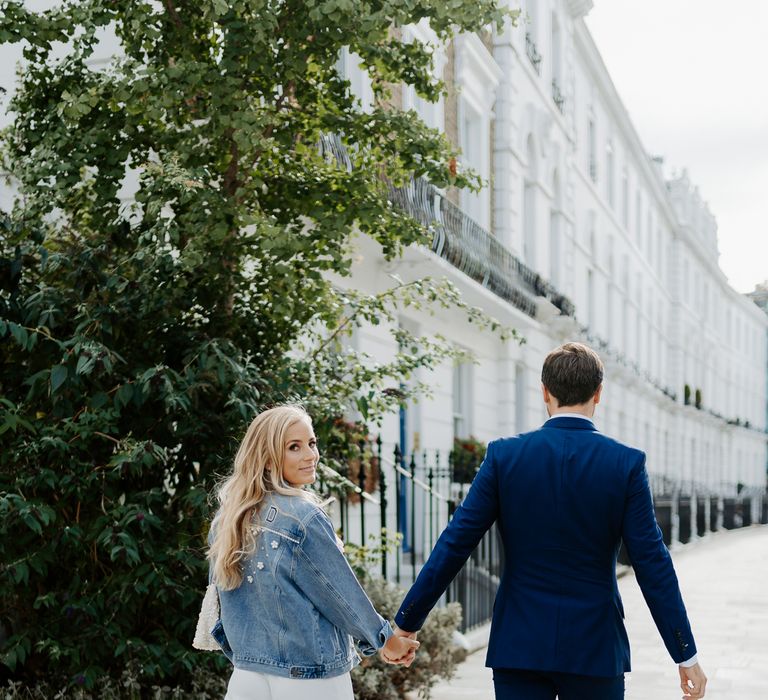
(604, 347)
(461, 241)
(533, 54)
(465, 244)
(557, 96)
(592, 169)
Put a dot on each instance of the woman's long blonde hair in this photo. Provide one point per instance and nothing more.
(258, 470)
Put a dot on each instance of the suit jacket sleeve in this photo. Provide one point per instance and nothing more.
(469, 523)
(653, 566)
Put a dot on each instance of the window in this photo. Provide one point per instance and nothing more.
(556, 50)
(609, 291)
(659, 261)
(557, 83)
(625, 328)
(592, 145)
(462, 399)
(625, 198)
(430, 112)
(520, 403)
(554, 248)
(554, 231)
(348, 66)
(477, 76)
(529, 207)
(639, 320)
(649, 236)
(473, 137)
(609, 175)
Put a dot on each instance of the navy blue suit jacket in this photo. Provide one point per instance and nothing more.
(564, 497)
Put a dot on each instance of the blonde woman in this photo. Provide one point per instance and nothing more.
(290, 604)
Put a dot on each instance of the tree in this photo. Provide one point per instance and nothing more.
(140, 333)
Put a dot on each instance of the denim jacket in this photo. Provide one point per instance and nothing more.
(299, 605)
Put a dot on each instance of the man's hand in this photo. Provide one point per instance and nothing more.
(400, 648)
(692, 681)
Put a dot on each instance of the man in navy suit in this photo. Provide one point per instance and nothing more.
(565, 497)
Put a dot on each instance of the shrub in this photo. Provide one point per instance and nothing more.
(131, 684)
(436, 658)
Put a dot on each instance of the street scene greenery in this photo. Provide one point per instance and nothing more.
(166, 272)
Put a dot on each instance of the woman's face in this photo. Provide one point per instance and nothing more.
(300, 454)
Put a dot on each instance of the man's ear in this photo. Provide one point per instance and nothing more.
(598, 393)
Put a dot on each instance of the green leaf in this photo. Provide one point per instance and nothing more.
(85, 364)
(58, 377)
(19, 334)
(220, 7)
(124, 395)
(31, 522)
(99, 400)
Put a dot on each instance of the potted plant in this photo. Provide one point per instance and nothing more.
(465, 459)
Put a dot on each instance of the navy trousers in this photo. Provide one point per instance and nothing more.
(518, 684)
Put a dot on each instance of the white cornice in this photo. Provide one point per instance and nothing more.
(579, 8)
(422, 32)
(425, 35)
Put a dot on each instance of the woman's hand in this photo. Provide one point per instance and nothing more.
(400, 648)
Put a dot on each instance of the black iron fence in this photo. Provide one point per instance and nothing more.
(404, 512)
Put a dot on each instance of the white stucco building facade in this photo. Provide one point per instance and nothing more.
(573, 194)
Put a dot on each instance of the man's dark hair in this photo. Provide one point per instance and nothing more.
(572, 373)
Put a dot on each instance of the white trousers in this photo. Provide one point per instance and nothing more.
(250, 685)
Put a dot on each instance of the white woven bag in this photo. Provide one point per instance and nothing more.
(209, 616)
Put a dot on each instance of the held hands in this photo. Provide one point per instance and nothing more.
(400, 648)
(693, 682)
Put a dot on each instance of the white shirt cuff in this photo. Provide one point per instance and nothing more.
(689, 662)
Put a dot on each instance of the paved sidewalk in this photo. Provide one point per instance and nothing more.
(724, 579)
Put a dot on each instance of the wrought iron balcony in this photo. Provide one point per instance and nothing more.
(461, 241)
(533, 54)
(604, 347)
(470, 248)
(558, 96)
(593, 169)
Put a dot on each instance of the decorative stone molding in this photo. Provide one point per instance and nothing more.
(544, 124)
(580, 8)
(477, 73)
(693, 211)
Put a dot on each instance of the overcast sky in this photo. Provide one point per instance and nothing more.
(693, 75)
